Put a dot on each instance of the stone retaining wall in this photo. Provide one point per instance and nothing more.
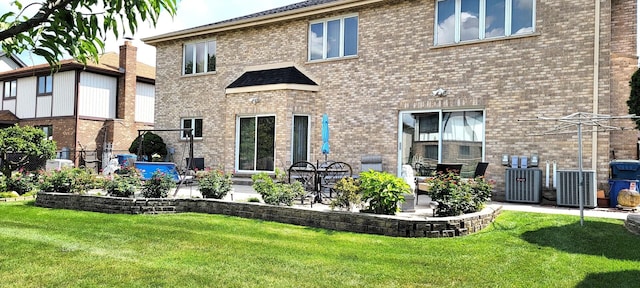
(398, 226)
(633, 223)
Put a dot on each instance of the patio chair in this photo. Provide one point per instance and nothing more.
(481, 168)
(371, 162)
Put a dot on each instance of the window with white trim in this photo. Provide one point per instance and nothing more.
(191, 123)
(11, 89)
(199, 58)
(333, 38)
(467, 20)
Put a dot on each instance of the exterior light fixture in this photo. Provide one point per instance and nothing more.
(439, 92)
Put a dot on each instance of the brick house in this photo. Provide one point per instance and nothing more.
(413, 81)
(83, 106)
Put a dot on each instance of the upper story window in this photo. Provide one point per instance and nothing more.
(45, 85)
(199, 57)
(467, 20)
(333, 38)
(11, 89)
(193, 123)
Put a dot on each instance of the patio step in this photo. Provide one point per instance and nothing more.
(242, 180)
(158, 209)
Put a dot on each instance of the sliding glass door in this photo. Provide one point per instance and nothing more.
(431, 137)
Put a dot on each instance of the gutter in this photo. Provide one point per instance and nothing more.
(596, 78)
(260, 20)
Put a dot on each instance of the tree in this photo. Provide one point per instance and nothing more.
(73, 27)
(634, 98)
(22, 144)
(151, 144)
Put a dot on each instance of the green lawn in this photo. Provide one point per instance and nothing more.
(61, 248)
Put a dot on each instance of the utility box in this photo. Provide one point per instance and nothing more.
(523, 185)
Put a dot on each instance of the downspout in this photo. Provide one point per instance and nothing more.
(596, 86)
(77, 119)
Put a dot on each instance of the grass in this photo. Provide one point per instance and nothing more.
(61, 248)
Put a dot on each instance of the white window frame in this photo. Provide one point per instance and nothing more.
(195, 56)
(324, 37)
(237, 144)
(193, 126)
(482, 17)
(308, 134)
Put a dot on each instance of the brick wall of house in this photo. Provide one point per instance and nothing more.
(548, 73)
(63, 130)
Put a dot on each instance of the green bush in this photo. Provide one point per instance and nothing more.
(3, 183)
(276, 193)
(158, 185)
(382, 191)
(121, 186)
(214, 183)
(151, 144)
(349, 194)
(20, 183)
(67, 180)
(455, 196)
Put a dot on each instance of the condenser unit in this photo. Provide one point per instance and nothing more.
(568, 187)
(523, 185)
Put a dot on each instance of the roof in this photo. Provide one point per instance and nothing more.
(7, 117)
(14, 58)
(285, 75)
(107, 63)
(293, 11)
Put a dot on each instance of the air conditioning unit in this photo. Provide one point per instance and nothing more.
(523, 185)
(568, 187)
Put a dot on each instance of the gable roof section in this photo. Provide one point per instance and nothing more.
(6, 117)
(108, 64)
(276, 78)
(14, 58)
(289, 12)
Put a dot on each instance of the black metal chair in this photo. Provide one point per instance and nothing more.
(481, 168)
(305, 173)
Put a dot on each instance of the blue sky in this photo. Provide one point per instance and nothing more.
(191, 13)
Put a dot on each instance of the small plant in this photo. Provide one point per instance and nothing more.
(9, 194)
(19, 182)
(456, 197)
(382, 191)
(158, 185)
(121, 186)
(279, 193)
(349, 194)
(253, 200)
(214, 183)
(3, 183)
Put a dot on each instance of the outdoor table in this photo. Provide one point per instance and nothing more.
(317, 181)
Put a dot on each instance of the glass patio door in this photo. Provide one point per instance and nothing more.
(256, 143)
(431, 137)
(300, 138)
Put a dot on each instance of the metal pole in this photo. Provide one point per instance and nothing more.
(580, 177)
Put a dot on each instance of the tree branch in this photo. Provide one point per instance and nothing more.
(35, 21)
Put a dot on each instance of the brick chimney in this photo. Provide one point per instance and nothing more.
(127, 83)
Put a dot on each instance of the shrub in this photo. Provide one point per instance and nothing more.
(67, 180)
(276, 193)
(20, 183)
(349, 194)
(121, 186)
(158, 185)
(456, 197)
(151, 144)
(214, 183)
(3, 183)
(253, 200)
(382, 191)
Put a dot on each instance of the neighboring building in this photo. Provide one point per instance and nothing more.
(83, 107)
(10, 62)
(414, 81)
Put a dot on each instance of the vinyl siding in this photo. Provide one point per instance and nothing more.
(97, 95)
(145, 99)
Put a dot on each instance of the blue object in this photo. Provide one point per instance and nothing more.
(325, 134)
(625, 169)
(124, 159)
(614, 189)
(147, 168)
